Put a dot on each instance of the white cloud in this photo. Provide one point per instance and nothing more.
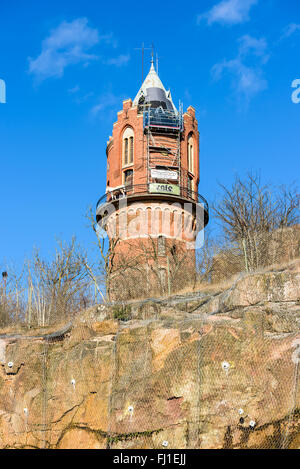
(67, 44)
(119, 61)
(246, 80)
(250, 44)
(109, 39)
(228, 12)
(290, 29)
(70, 44)
(75, 89)
(82, 99)
(106, 100)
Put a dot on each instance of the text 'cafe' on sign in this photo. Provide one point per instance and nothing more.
(164, 189)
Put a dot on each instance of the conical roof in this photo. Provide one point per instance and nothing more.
(153, 92)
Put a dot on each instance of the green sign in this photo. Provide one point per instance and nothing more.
(164, 189)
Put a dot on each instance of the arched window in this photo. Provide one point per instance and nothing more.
(191, 154)
(128, 146)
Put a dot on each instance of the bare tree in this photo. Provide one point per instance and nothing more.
(102, 269)
(5, 300)
(160, 266)
(251, 214)
(205, 258)
(12, 298)
(59, 287)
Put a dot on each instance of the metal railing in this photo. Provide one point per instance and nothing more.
(144, 189)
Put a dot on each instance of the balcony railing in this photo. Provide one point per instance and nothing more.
(163, 119)
(144, 189)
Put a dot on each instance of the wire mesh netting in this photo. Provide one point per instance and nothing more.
(172, 375)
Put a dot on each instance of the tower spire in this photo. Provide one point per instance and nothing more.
(143, 48)
(152, 56)
(152, 90)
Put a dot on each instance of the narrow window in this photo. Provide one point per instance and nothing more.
(128, 146)
(191, 154)
(162, 278)
(190, 185)
(126, 151)
(161, 245)
(173, 251)
(128, 177)
(131, 150)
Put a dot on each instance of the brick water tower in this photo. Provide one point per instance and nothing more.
(152, 211)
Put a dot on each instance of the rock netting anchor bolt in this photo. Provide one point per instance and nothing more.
(130, 410)
(26, 412)
(73, 382)
(225, 366)
(10, 364)
(252, 423)
(165, 443)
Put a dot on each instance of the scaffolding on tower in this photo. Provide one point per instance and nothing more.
(163, 130)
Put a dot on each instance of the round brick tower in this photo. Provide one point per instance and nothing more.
(151, 210)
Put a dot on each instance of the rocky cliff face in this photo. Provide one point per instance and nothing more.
(213, 370)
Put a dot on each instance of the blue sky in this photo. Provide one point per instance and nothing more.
(67, 66)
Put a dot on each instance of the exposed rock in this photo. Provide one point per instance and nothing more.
(221, 372)
(81, 438)
(106, 327)
(81, 332)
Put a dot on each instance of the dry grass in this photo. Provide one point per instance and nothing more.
(279, 266)
(21, 328)
(227, 283)
(210, 287)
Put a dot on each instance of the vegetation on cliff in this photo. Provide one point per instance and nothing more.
(259, 228)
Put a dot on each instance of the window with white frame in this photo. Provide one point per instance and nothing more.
(128, 146)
